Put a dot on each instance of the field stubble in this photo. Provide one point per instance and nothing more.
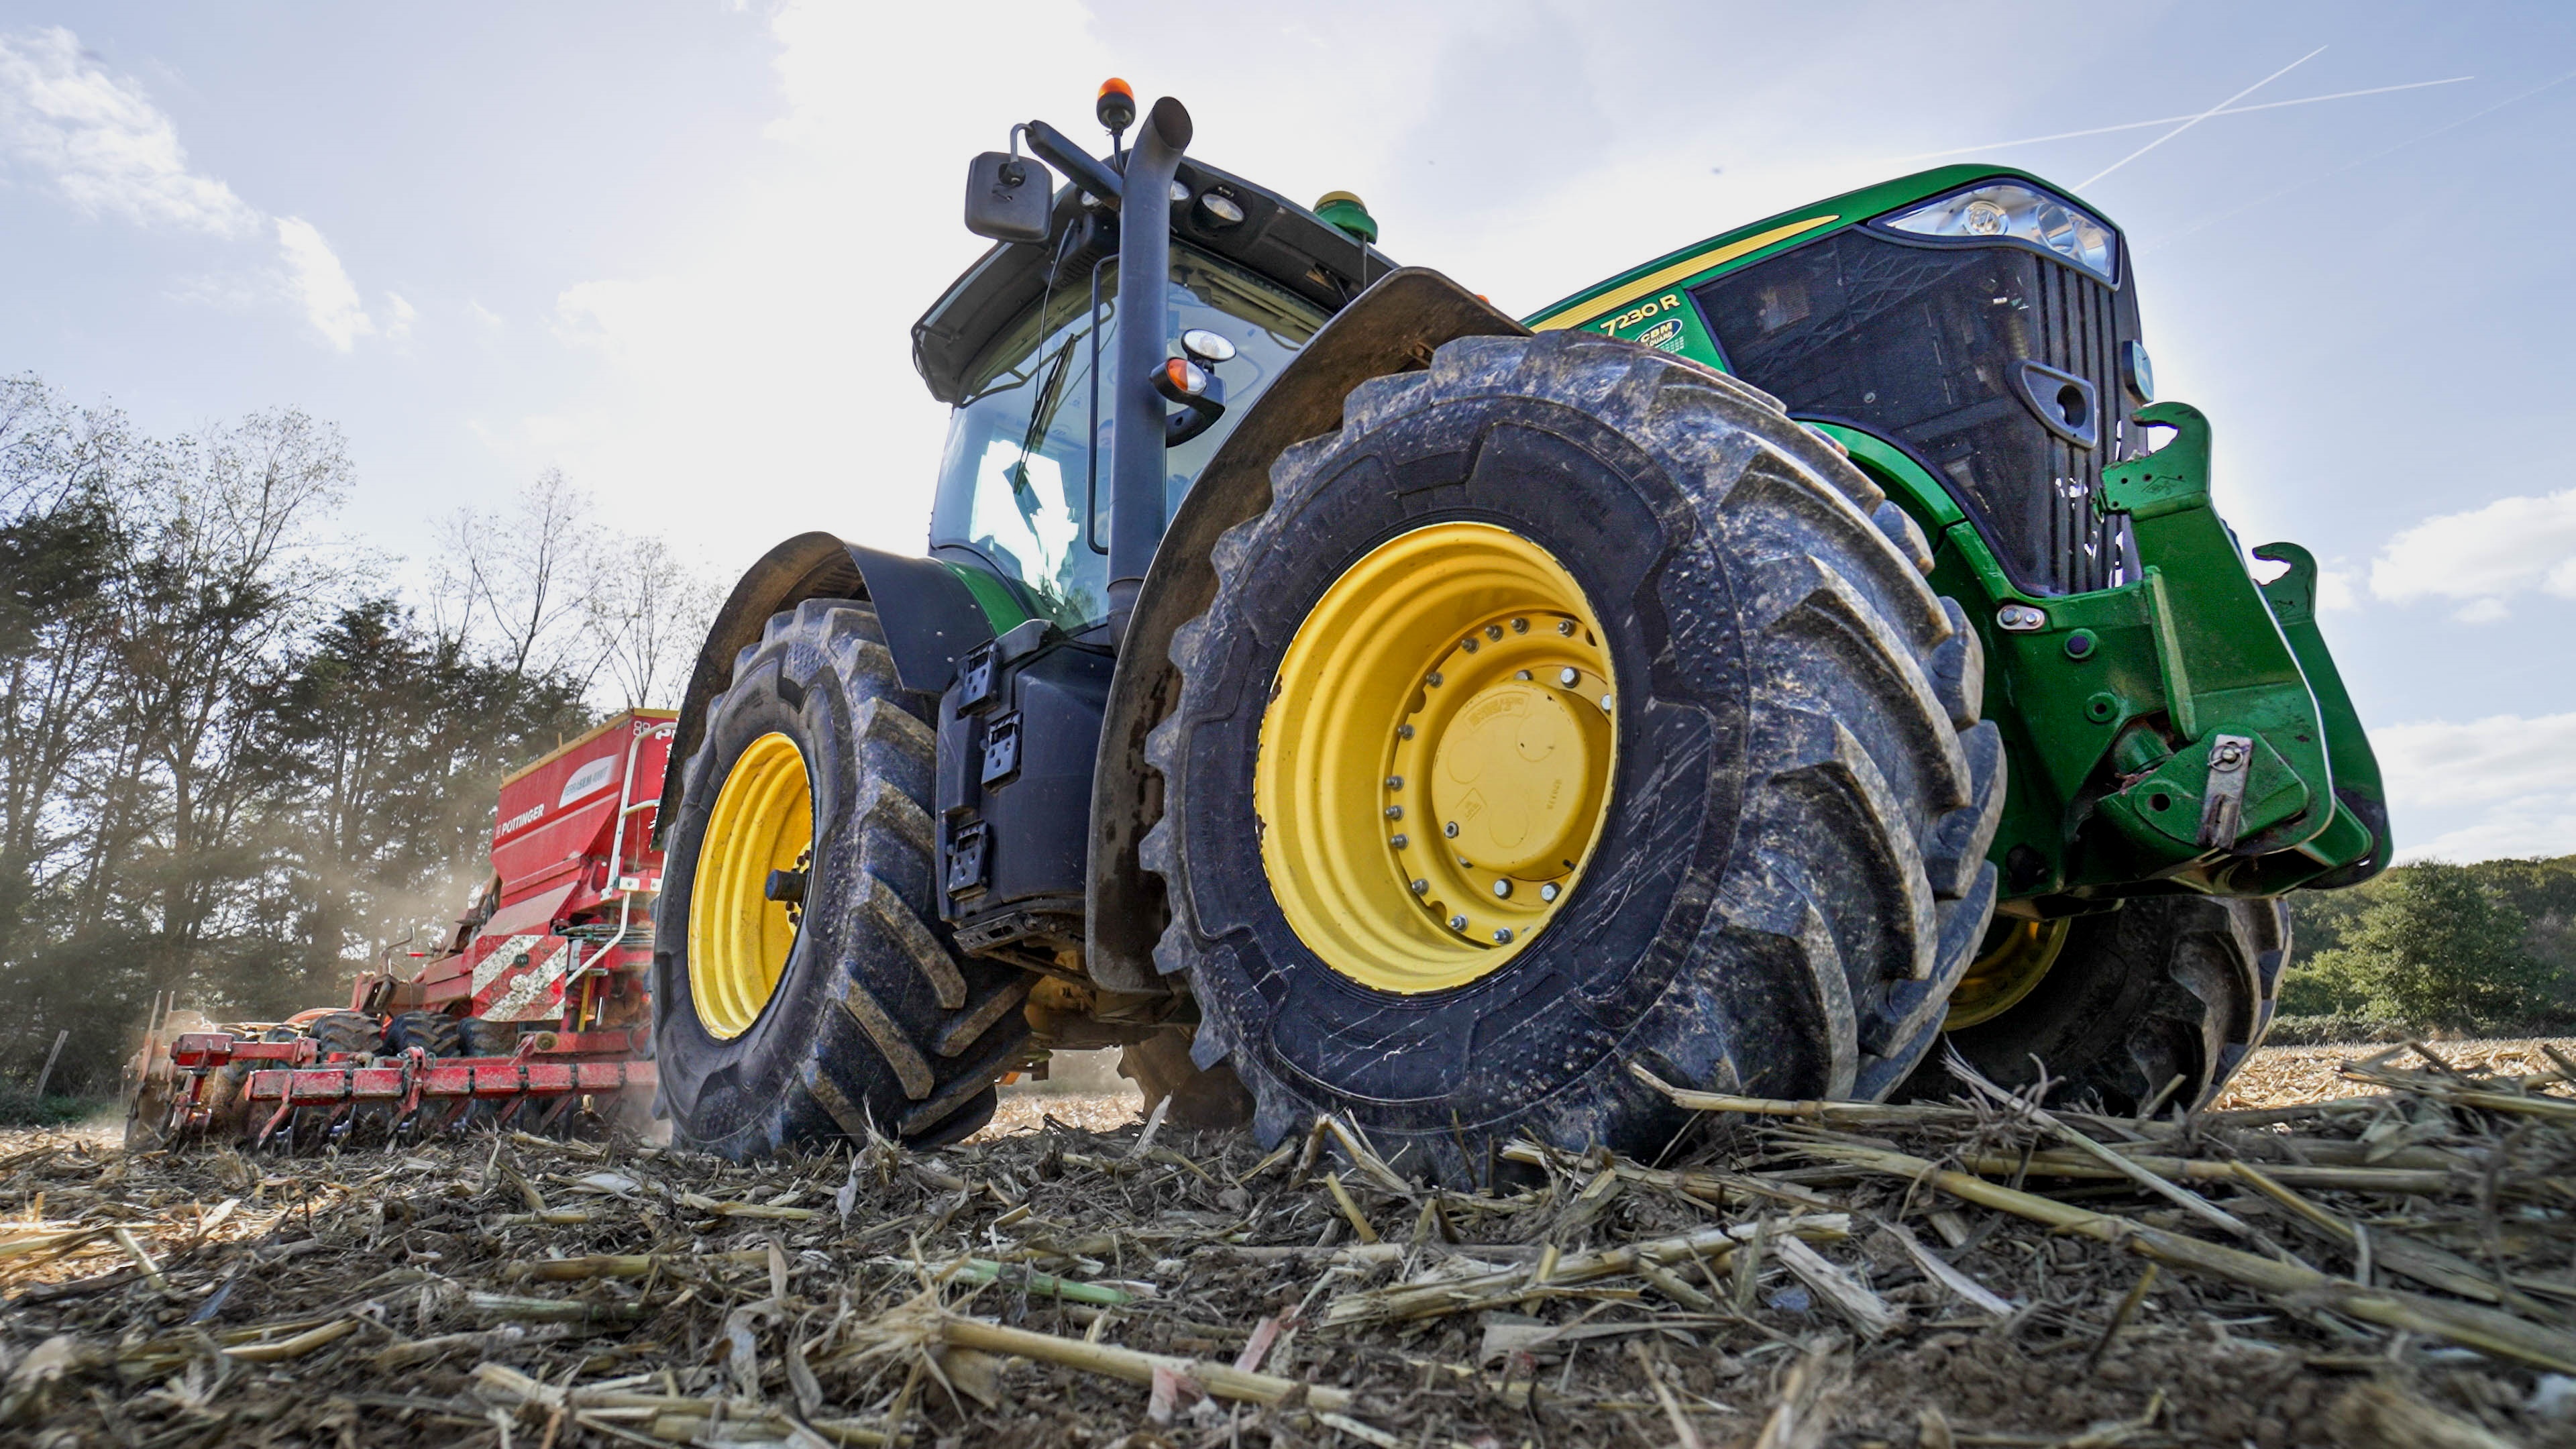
(2368, 1254)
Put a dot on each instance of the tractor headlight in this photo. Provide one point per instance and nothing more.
(2007, 209)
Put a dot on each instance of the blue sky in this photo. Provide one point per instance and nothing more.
(674, 249)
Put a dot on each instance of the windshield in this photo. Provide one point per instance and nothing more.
(1018, 484)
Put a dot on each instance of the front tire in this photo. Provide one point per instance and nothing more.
(855, 1013)
(1786, 871)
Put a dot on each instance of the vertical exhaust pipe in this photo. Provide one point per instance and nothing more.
(1137, 468)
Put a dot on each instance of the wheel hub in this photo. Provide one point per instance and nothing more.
(2010, 962)
(1511, 770)
(1436, 758)
(739, 938)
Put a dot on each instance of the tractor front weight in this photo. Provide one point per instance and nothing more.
(2184, 731)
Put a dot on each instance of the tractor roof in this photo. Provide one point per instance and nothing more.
(1282, 241)
(1692, 263)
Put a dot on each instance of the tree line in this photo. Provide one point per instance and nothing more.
(240, 758)
(2488, 947)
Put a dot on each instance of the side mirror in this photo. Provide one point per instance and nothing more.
(1008, 198)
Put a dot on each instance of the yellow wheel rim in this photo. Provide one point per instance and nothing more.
(2016, 954)
(1436, 758)
(738, 937)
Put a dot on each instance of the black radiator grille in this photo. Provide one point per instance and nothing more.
(1925, 345)
(2078, 332)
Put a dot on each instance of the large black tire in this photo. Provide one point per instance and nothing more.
(875, 1020)
(1791, 876)
(434, 1032)
(1206, 1099)
(2163, 987)
(348, 1033)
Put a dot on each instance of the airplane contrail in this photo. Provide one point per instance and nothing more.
(2203, 116)
(2311, 180)
(2169, 120)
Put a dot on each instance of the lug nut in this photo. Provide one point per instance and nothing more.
(1433, 679)
(1503, 936)
(1493, 631)
(1550, 891)
(1565, 627)
(1470, 645)
(1605, 704)
(1395, 812)
(1450, 829)
(1420, 885)
(1395, 782)
(1502, 890)
(1457, 923)
(1569, 677)
(1520, 626)
(1523, 674)
(1404, 732)
(1399, 841)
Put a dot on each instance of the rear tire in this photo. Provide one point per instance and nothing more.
(2164, 987)
(1789, 873)
(874, 1021)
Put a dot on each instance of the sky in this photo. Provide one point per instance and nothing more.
(675, 249)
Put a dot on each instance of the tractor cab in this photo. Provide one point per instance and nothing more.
(1024, 346)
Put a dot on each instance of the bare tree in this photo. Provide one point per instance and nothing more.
(648, 608)
(516, 582)
(544, 587)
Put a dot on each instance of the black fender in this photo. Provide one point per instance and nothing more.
(1393, 326)
(929, 616)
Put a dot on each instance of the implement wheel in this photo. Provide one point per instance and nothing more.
(1571, 707)
(2154, 1004)
(347, 1033)
(803, 987)
(434, 1032)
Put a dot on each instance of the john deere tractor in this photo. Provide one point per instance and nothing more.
(1349, 698)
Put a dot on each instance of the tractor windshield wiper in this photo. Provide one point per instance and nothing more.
(1049, 401)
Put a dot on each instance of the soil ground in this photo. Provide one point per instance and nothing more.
(519, 1292)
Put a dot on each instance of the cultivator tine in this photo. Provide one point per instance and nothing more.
(553, 1122)
(285, 1105)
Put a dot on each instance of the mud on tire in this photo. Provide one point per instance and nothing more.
(1791, 875)
(875, 1018)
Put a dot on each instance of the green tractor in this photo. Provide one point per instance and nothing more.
(1350, 699)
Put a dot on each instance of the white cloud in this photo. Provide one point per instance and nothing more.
(399, 313)
(2484, 557)
(317, 280)
(2335, 591)
(102, 142)
(111, 152)
(2505, 785)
